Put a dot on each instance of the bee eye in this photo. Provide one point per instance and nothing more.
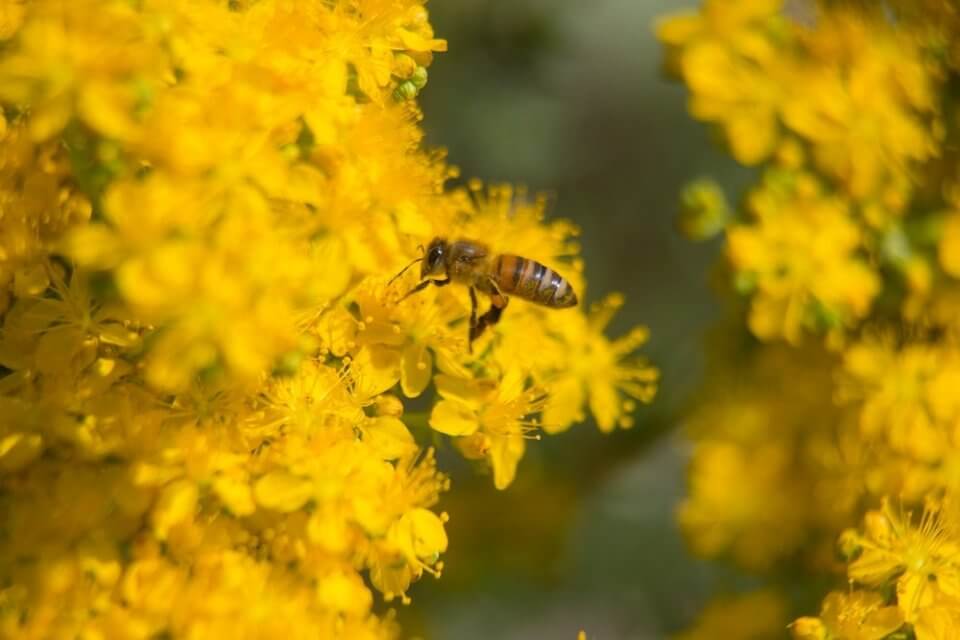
(435, 254)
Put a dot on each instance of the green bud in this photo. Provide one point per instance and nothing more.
(704, 211)
(419, 78)
(895, 246)
(406, 90)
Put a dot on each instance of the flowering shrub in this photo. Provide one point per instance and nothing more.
(833, 401)
(204, 365)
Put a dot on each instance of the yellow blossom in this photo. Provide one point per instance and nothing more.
(755, 615)
(797, 284)
(859, 615)
(867, 103)
(907, 395)
(494, 418)
(601, 374)
(848, 233)
(731, 61)
(924, 557)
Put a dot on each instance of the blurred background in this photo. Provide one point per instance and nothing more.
(567, 97)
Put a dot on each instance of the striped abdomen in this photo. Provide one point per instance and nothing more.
(530, 280)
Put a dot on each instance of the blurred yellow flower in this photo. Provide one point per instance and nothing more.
(756, 615)
(730, 59)
(859, 615)
(849, 236)
(799, 259)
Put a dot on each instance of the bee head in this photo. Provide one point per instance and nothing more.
(434, 260)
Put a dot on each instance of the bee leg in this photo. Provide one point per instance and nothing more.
(498, 302)
(473, 317)
(423, 285)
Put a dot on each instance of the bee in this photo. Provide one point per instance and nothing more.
(470, 263)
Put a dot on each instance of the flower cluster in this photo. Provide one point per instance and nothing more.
(204, 364)
(916, 559)
(832, 391)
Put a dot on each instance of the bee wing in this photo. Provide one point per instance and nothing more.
(468, 252)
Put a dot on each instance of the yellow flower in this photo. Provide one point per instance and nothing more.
(922, 559)
(418, 537)
(405, 338)
(731, 60)
(859, 615)
(39, 204)
(757, 615)
(493, 418)
(745, 503)
(799, 257)
(907, 395)
(868, 101)
(102, 73)
(850, 234)
(599, 372)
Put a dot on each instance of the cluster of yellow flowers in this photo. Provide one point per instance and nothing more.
(203, 366)
(833, 393)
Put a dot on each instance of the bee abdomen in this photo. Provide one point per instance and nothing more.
(530, 280)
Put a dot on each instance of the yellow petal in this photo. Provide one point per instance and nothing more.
(235, 494)
(30, 281)
(344, 592)
(282, 491)
(330, 259)
(564, 405)
(808, 629)
(56, 349)
(428, 535)
(415, 42)
(17, 450)
(914, 592)
(375, 370)
(412, 221)
(453, 418)
(329, 532)
(505, 453)
(176, 504)
(389, 438)
(679, 29)
(50, 119)
(107, 109)
(604, 405)
(752, 136)
(938, 623)
(94, 245)
(416, 365)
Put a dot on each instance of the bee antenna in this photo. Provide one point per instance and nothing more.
(402, 271)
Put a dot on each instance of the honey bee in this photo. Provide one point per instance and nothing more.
(470, 263)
